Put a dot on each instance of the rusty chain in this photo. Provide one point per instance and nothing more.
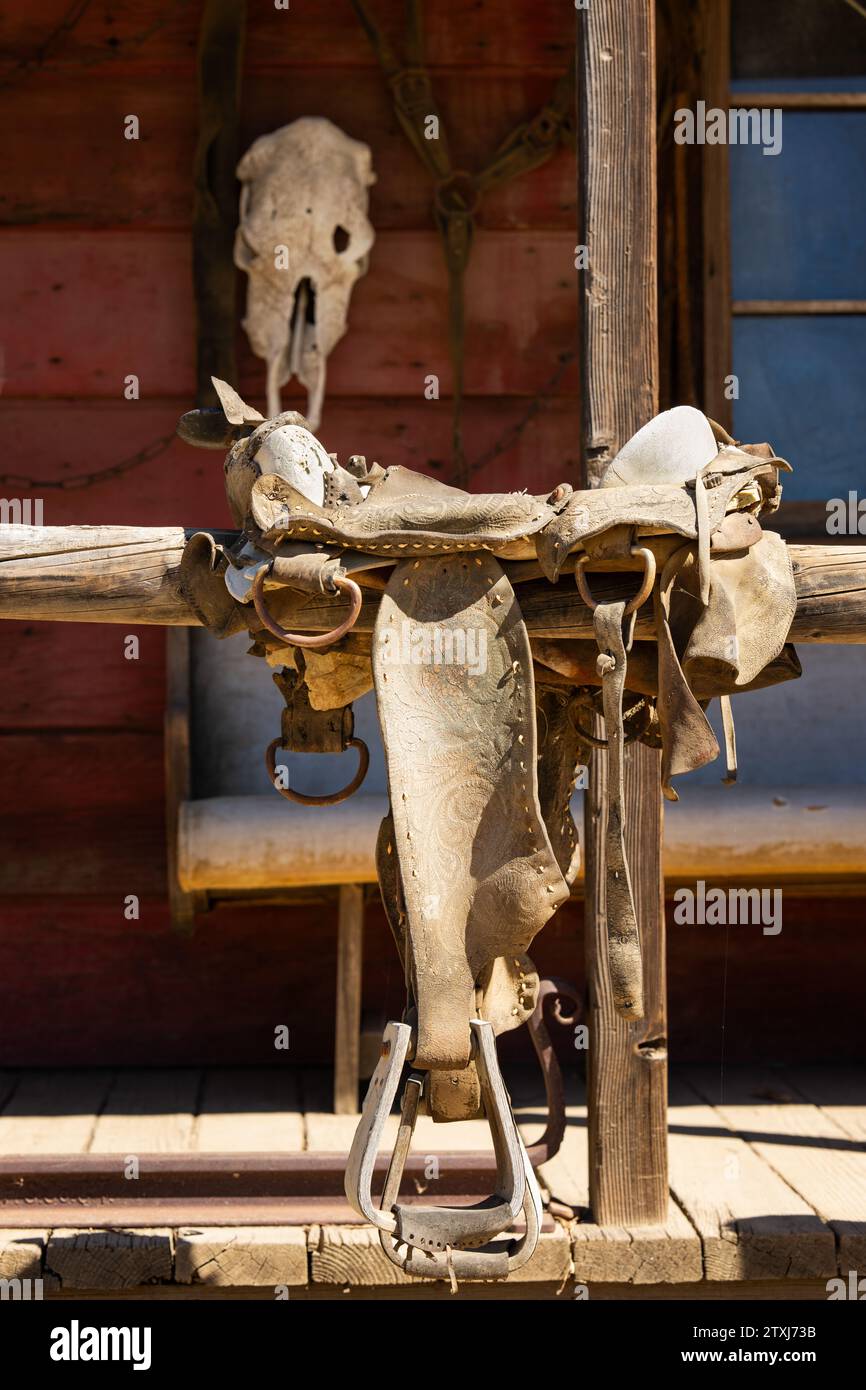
(80, 480)
(66, 26)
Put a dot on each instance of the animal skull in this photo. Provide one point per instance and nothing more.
(304, 239)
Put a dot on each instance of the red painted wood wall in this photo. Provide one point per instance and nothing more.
(95, 245)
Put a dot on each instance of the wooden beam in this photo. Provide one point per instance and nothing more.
(93, 574)
(215, 202)
(627, 1077)
(130, 574)
(784, 307)
(799, 101)
(178, 770)
(214, 219)
(347, 1039)
(786, 836)
(716, 216)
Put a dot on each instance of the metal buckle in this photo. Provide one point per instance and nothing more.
(441, 1241)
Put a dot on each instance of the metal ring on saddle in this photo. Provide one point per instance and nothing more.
(341, 582)
(643, 593)
(329, 798)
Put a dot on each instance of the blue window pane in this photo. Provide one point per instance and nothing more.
(802, 384)
(798, 218)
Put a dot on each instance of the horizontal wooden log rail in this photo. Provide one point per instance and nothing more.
(129, 574)
(786, 836)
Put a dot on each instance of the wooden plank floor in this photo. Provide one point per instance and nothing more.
(768, 1183)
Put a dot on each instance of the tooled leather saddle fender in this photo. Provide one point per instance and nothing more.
(483, 730)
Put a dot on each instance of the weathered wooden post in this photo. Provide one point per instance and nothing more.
(628, 1175)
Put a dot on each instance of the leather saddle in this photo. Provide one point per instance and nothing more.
(484, 730)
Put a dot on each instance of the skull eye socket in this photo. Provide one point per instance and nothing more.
(341, 240)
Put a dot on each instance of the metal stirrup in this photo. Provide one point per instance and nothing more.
(447, 1260)
(436, 1238)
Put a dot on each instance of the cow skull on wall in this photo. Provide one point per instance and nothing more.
(304, 238)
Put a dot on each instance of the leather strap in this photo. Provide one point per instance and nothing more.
(307, 730)
(623, 938)
(702, 516)
(730, 740)
(688, 740)
(215, 205)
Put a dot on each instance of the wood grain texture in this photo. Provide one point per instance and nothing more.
(53, 1112)
(797, 307)
(754, 1231)
(146, 183)
(91, 821)
(109, 1259)
(753, 1225)
(21, 1253)
(635, 1255)
(147, 1111)
(790, 837)
(58, 675)
(347, 1014)
(840, 1092)
(804, 101)
(801, 1143)
(94, 573)
(52, 441)
(238, 1256)
(129, 575)
(521, 316)
(617, 144)
(716, 211)
(254, 1111)
(352, 1255)
(627, 1061)
(158, 37)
